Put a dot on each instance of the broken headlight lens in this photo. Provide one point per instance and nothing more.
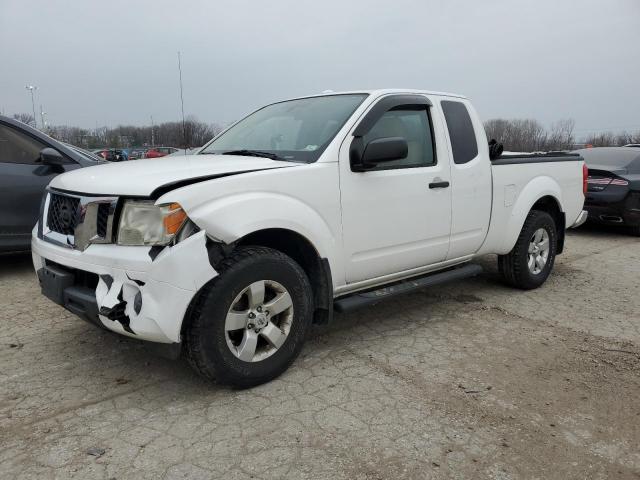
(143, 223)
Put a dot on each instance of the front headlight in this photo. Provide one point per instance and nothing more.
(143, 223)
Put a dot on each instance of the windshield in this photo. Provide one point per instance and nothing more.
(295, 130)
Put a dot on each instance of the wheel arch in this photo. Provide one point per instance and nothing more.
(296, 246)
(544, 194)
(550, 205)
(303, 251)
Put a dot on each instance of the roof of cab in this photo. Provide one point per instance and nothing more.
(382, 91)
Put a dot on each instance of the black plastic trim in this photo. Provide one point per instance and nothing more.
(537, 158)
(371, 297)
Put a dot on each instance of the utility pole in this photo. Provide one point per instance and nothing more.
(153, 138)
(42, 122)
(184, 128)
(31, 88)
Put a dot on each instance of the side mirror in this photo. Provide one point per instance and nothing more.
(380, 150)
(50, 156)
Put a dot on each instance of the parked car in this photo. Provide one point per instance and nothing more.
(313, 204)
(633, 145)
(184, 151)
(156, 152)
(613, 194)
(137, 153)
(112, 154)
(29, 159)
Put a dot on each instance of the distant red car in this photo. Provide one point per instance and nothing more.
(156, 152)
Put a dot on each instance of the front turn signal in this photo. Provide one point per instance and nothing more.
(174, 219)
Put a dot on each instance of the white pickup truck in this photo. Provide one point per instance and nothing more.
(305, 206)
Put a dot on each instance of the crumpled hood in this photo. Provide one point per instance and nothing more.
(142, 177)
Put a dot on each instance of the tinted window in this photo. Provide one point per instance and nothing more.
(17, 147)
(461, 133)
(412, 125)
(297, 130)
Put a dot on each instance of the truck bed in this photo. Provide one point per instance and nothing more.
(518, 181)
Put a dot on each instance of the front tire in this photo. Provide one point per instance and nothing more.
(249, 323)
(531, 260)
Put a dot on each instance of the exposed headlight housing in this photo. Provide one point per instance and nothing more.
(143, 223)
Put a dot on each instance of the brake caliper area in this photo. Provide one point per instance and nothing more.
(151, 304)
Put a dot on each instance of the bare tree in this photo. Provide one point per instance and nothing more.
(561, 135)
(528, 135)
(195, 134)
(25, 118)
(606, 139)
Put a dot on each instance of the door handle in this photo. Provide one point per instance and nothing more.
(439, 184)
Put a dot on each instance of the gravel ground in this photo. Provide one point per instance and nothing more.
(469, 380)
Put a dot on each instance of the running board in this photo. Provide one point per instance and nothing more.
(371, 297)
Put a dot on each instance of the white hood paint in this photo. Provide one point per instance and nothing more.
(141, 177)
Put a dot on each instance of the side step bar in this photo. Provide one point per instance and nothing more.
(371, 297)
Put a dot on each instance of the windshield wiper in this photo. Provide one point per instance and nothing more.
(254, 153)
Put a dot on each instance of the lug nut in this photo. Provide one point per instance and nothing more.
(250, 326)
(252, 315)
(259, 309)
(266, 312)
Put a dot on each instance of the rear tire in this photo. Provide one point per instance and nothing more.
(236, 333)
(531, 260)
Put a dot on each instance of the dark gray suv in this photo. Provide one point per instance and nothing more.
(29, 159)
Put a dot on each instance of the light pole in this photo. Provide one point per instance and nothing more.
(42, 120)
(31, 88)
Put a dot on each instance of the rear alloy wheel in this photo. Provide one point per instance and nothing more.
(249, 323)
(538, 252)
(531, 260)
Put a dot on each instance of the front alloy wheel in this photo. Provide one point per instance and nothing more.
(259, 321)
(249, 323)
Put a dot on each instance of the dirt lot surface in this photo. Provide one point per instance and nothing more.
(469, 380)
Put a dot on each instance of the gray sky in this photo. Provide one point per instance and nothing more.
(115, 62)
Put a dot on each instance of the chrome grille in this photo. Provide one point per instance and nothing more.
(103, 219)
(63, 214)
(76, 221)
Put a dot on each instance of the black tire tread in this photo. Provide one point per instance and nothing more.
(511, 266)
(192, 350)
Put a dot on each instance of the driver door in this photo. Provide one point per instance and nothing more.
(397, 215)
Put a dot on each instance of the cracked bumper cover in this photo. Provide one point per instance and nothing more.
(136, 295)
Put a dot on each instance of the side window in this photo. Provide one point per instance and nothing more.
(461, 132)
(415, 127)
(17, 147)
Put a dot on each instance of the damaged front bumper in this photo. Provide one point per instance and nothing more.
(141, 292)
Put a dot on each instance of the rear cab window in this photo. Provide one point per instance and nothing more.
(464, 145)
